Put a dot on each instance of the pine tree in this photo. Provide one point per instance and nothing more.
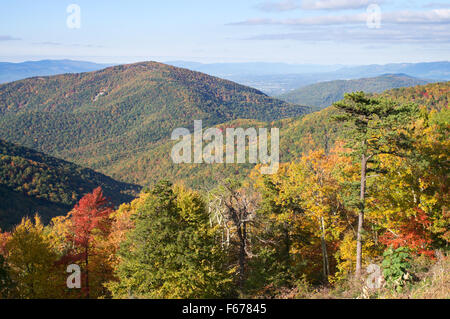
(377, 127)
(171, 252)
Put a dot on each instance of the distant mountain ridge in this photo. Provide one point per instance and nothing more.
(433, 70)
(253, 68)
(271, 78)
(279, 78)
(326, 93)
(425, 70)
(17, 71)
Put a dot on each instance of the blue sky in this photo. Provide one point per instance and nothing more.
(291, 31)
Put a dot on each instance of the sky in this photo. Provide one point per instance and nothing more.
(302, 32)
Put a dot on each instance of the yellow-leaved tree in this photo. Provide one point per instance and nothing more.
(33, 262)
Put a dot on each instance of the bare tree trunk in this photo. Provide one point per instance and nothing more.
(238, 212)
(242, 255)
(287, 243)
(326, 265)
(362, 198)
(87, 272)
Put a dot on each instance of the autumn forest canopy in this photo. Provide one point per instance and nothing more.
(86, 179)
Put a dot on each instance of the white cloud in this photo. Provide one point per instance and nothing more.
(337, 4)
(437, 16)
(287, 5)
(436, 34)
(431, 16)
(437, 5)
(397, 27)
(319, 20)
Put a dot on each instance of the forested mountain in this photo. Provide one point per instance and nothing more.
(433, 96)
(106, 118)
(326, 93)
(318, 128)
(297, 135)
(18, 71)
(32, 182)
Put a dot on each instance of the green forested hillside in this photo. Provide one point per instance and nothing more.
(326, 93)
(297, 135)
(33, 182)
(155, 164)
(16, 205)
(136, 155)
(319, 127)
(432, 96)
(104, 119)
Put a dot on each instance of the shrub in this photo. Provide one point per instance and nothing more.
(396, 266)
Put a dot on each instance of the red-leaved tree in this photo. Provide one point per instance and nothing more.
(90, 216)
(414, 233)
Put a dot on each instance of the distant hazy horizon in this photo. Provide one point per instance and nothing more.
(170, 62)
(325, 32)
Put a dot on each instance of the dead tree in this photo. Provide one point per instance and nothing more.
(233, 208)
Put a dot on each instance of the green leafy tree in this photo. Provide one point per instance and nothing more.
(172, 252)
(376, 127)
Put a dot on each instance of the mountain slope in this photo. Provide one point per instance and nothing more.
(103, 118)
(17, 71)
(320, 129)
(326, 93)
(297, 135)
(33, 182)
